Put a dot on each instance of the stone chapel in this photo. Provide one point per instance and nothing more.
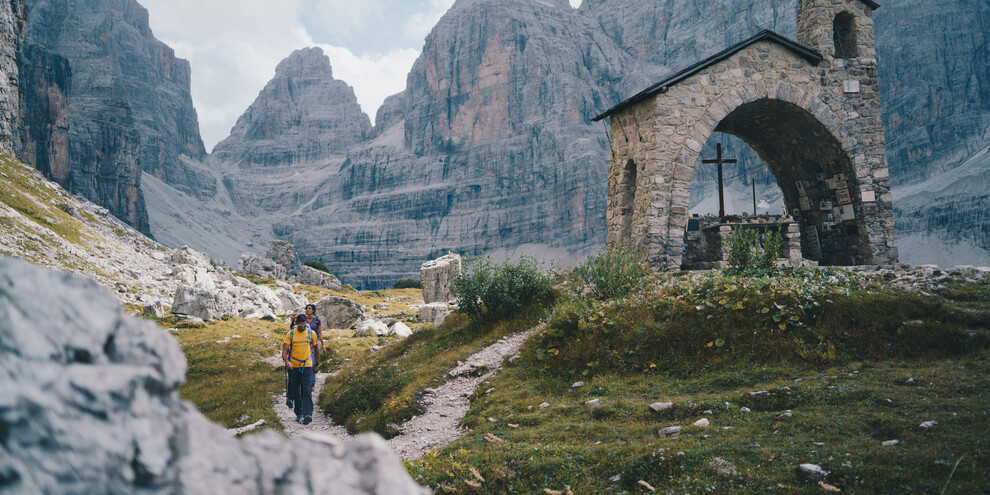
(809, 108)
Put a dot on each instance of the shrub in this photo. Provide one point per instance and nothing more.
(408, 283)
(752, 249)
(614, 273)
(489, 292)
(317, 265)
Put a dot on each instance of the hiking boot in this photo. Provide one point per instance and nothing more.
(300, 418)
(290, 403)
(307, 420)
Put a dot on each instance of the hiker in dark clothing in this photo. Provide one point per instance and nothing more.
(297, 353)
(314, 322)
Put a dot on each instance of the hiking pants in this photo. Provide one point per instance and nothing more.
(301, 390)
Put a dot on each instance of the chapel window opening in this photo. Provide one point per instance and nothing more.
(628, 200)
(844, 35)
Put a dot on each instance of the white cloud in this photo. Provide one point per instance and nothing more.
(420, 24)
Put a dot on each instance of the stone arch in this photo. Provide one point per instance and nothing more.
(628, 185)
(764, 119)
(844, 36)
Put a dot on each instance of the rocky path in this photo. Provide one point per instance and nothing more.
(322, 424)
(445, 405)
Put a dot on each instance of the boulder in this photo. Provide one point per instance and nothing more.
(400, 329)
(369, 327)
(202, 303)
(338, 312)
(291, 302)
(284, 253)
(311, 276)
(436, 276)
(90, 403)
(154, 309)
(253, 264)
(434, 312)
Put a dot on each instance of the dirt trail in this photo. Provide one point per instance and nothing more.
(445, 405)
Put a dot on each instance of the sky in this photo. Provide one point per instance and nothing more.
(233, 46)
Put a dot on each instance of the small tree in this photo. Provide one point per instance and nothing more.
(752, 249)
(317, 265)
(614, 273)
(488, 292)
(408, 283)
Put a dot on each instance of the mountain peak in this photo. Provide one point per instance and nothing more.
(310, 62)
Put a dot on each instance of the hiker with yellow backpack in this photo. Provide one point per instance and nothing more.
(297, 353)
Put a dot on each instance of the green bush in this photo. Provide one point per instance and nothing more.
(489, 292)
(754, 249)
(614, 273)
(408, 283)
(317, 265)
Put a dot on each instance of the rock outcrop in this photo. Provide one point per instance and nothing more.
(253, 264)
(311, 276)
(91, 403)
(436, 276)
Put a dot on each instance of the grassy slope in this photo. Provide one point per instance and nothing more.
(836, 352)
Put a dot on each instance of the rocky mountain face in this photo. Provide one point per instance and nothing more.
(489, 147)
(302, 115)
(11, 19)
(102, 100)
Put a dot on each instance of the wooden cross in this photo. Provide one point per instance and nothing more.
(721, 194)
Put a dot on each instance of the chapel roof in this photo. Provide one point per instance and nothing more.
(808, 54)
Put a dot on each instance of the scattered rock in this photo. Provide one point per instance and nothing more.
(245, 429)
(891, 443)
(646, 486)
(544, 405)
(785, 415)
(400, 329)
(761, 392)
(154, 309)
(615, 479)
(661, 406)
(593, 403)
(928, 424)
(745, 409)
(253, 264)
(577, 385)
(814, 472)
(702, 423)
(284, 253)
(670, 431)
(202, 303)
(723, 467)
(370, 327)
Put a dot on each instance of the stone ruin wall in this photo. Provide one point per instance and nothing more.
(663, 136)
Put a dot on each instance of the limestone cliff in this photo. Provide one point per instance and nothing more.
(11, 19)
(102, 100)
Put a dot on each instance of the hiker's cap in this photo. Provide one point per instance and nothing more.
(300, 319)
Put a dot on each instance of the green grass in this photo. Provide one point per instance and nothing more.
(228, 382)
(840, 417)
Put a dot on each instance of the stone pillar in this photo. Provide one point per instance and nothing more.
(436, 276)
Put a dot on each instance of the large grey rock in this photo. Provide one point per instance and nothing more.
(90, 404)
(338, 312)
(436, 276)
(253, 264)
(312, 276)
(10, 41)
(284, 253)
(202, 303)
(434, 313)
